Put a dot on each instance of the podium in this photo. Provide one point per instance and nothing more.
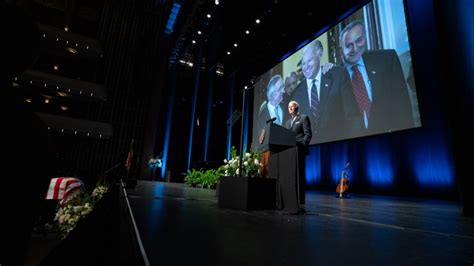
(274, 139)
(280, 160)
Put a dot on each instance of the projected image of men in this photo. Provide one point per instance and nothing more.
(326, 98)
(378, 82)
(271, 107)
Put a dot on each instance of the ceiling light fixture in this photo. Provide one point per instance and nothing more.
(235, 45)
(257, 21)
(199, 32)
(208, 15)
(72, 50)
(247, 32)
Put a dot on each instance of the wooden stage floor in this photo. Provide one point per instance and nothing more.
(180, 225)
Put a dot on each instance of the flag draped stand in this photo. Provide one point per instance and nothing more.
(130, 182)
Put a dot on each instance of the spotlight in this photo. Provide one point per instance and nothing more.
(235, 44)
(199, 32)
(257, 21)
(208, 15)
(247, 32)
(228, 53)
(216, 2)
(194, 41)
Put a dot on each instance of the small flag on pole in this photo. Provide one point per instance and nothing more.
(128, 162)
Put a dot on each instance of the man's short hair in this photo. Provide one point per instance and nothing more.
(271, 85)
(295, 103)
(316, 45)
(349, 27)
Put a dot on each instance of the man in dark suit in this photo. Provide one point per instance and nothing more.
(378, 82)
(301, 125)
(326, 98)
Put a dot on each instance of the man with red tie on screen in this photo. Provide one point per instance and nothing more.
(378, 82)
(326, 98)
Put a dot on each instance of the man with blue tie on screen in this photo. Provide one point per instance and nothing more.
(378, 82)
(326, 98)
(271, 107)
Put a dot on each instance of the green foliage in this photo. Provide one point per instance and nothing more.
(251, 166)
(193, 177)
(201, 178)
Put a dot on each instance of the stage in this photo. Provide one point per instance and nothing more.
(180, 225)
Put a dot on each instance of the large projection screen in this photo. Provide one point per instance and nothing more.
(353, 80)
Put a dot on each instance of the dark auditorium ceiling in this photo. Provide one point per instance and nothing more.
(284, 24)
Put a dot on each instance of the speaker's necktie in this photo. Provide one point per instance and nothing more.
(314, 99)
(360, 91)
(292, 121)
(277, 116)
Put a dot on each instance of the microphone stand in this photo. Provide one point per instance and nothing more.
(244, 113)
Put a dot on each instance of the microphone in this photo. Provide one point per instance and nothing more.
(271, 120)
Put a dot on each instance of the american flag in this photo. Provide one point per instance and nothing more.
(128, 162)
(64, 189)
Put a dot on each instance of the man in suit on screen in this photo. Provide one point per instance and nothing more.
(378, 82)
(271, 107)
(326, 98)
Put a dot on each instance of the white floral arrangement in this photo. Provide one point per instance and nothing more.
(251, 165)
(155, 163)
(99, 192)
(68, 216)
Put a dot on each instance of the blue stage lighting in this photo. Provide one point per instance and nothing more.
(313, 166)
(172, 18)
(379, 164)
